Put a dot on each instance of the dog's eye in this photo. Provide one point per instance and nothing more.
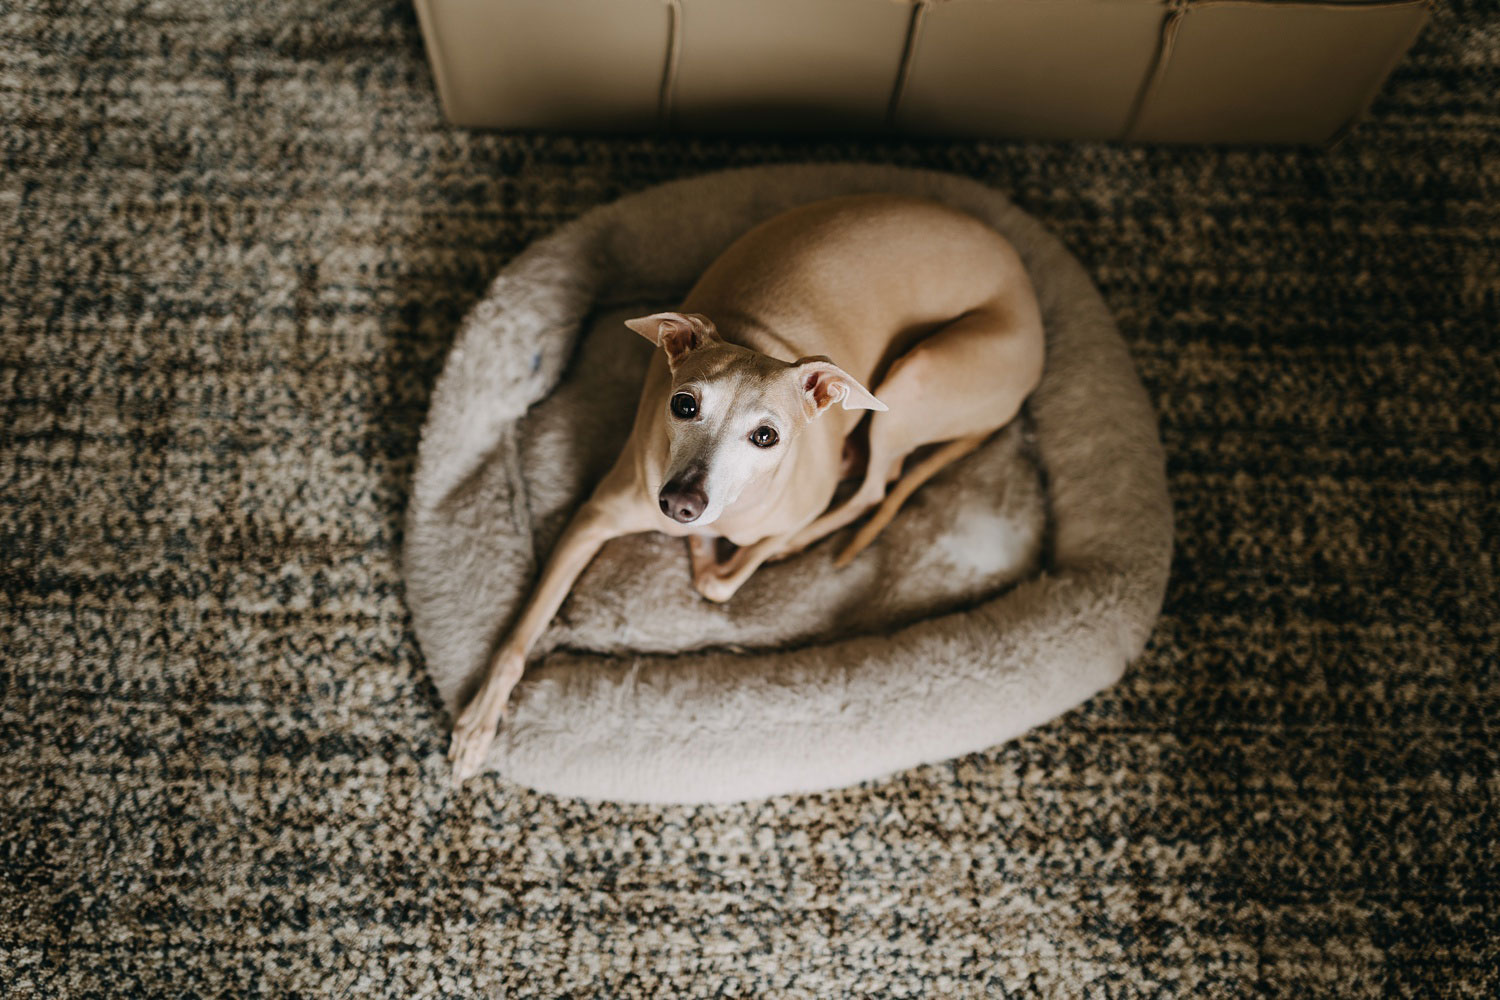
(763, 436)
(684, 406)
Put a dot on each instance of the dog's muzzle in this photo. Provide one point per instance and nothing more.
(683, 499)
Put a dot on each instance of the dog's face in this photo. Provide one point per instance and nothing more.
(733, 414)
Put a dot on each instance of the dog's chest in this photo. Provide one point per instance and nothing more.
(747, 528)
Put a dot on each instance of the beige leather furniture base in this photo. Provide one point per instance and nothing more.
(1145, 70)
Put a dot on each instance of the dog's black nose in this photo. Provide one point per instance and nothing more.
(682, 502)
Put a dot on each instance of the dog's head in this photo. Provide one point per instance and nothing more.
(733, 414)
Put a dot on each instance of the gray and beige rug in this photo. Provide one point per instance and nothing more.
(235, 241)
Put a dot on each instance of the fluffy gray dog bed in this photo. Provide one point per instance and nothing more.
(1011, 588)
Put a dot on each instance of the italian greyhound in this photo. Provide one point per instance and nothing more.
(744, 426)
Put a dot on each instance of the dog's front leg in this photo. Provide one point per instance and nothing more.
(474, 731)
(703, 556)
(718, 581)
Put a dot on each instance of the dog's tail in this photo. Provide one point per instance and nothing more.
(908, 484)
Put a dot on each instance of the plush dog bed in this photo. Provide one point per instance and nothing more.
(1011, 588)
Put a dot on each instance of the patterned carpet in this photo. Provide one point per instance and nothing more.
(234, 242)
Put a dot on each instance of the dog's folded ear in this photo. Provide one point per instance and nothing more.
(821, 383)
(674, 332)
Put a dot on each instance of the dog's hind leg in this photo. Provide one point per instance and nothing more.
(882, 464)
(958, 385)
(908, 484)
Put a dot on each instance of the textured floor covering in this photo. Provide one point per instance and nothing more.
(233, 247)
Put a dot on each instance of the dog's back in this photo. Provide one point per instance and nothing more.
(858, 278)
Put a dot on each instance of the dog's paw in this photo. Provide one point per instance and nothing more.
(477, 725)
(714, 587)
(469, 749)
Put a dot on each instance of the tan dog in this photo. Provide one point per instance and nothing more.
(738, 434)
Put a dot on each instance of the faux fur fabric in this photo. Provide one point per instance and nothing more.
(991, 605)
